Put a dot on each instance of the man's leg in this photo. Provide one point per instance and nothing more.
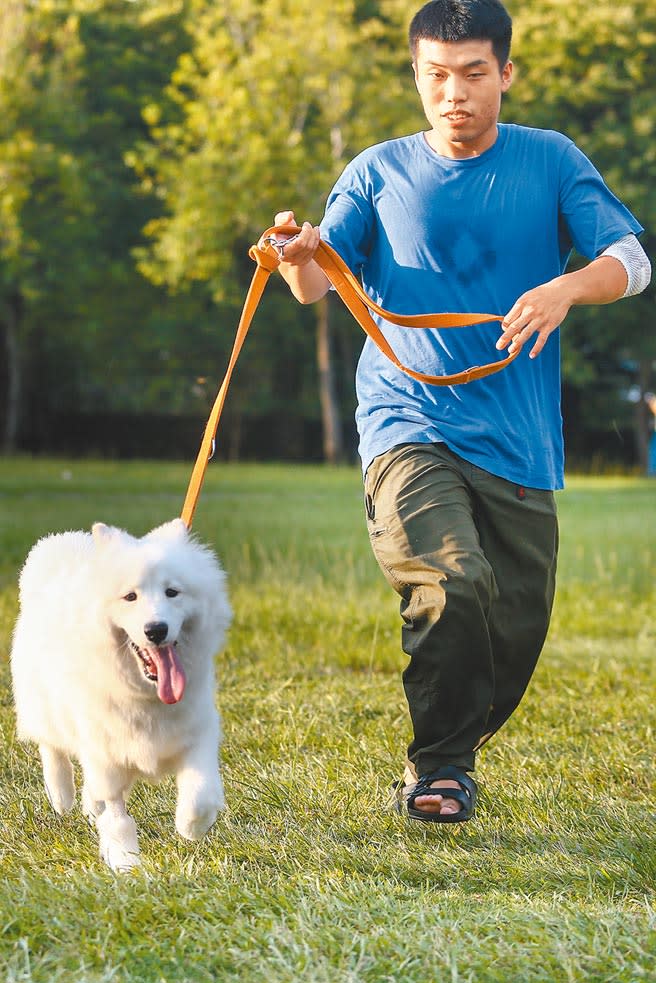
(518, 531)
(423, 533)
(473, 558)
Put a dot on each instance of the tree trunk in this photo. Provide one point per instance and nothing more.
(11, 316)
(333, 446)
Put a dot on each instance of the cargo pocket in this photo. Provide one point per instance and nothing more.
(384, 525)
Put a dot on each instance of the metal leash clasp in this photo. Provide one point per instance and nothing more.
(279, 244)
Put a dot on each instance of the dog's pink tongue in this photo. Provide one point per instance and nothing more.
(170, 674)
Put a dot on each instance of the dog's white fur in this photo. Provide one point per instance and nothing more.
(81, 688)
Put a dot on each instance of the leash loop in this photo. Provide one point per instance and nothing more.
(264, 259)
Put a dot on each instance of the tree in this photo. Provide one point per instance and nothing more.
(74, 76)
(274, 98)
(42, 190)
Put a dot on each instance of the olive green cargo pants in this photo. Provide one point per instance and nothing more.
(473, 558)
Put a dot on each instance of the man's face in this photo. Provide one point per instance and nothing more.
(460, 85)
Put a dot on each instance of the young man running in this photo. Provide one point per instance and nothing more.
(472, 216)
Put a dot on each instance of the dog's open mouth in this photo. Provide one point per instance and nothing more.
(161, 665)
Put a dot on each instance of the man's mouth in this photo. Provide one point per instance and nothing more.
(456, 117)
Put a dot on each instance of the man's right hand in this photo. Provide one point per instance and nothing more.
(305, 278)
(301, 248)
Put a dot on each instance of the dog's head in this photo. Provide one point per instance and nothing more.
(163, 586)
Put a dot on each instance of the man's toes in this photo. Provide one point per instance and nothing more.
(437, 804)
(429, 803)
(450, 806)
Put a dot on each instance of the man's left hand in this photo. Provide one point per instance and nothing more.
(539, 311)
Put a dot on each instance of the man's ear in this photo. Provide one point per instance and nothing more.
(506, 76)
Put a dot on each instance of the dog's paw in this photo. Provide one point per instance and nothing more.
(194, 825)
(118, 859)
(119, 847)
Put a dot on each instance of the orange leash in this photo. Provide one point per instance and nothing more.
(268, 258)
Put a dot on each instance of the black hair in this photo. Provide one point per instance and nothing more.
(463, 20)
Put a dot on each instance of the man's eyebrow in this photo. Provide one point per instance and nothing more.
(469, 64)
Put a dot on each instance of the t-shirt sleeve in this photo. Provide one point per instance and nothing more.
(348, 220)
(592, 217)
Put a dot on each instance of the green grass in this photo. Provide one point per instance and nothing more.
(307, 878)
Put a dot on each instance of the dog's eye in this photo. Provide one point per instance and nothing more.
(171, 592)
(130, 596)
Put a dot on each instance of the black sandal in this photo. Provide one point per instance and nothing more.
(465, 795)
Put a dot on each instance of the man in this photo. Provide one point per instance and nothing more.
(472, 216)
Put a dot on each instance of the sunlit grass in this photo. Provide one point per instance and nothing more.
(307, 878)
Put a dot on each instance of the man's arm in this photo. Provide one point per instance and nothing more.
(604, 280)
(305, 278)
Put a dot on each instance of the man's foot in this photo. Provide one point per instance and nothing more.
(428, 800)
(441, 805)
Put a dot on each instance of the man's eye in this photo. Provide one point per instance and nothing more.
(130, 596)
(171, 592)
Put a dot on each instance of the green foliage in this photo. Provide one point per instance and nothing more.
(42, 191)
(166, 133)
(92, 333)
(308, 878)
(274, 99)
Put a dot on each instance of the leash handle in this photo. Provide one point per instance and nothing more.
(267, 255)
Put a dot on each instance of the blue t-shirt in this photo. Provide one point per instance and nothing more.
(428, 234)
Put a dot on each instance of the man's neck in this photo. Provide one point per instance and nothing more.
(462, 150)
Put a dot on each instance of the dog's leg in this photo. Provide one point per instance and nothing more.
(117, 831)
(200, 791)
(105, 791)
(58, 778)
(92, 808)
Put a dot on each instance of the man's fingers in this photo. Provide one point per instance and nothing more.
(537, 312)
(520, 339)
(538, 346)
(511, 336)
(518, 326)
(284, 218)
(299, 249)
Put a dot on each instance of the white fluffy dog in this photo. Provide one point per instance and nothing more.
(113, 664)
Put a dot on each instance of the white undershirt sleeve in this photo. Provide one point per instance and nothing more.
(635, 261)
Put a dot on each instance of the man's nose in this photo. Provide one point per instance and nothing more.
(454, 89)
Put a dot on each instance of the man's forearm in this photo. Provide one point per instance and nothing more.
(308, 283)
(600, 282)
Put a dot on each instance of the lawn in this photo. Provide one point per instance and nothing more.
(307, 878)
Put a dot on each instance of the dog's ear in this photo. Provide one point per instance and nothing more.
(175, 529)
(102, 533)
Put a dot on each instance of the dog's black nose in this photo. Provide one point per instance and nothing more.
(156, 631)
